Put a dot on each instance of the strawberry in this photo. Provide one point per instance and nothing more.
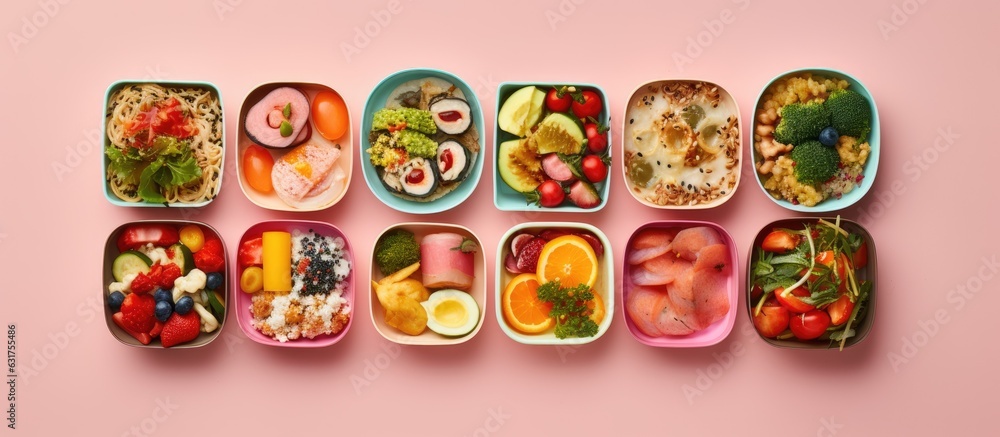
(180, 329)
(157, 329)
(119, 320)
(142, 284)
(210, 258)
(584, 195)
(779, 241)
(168, 275)
(136, 236)
(137, 312)
(250, 253)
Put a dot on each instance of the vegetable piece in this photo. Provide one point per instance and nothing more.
(814, 163)
(779, 241)
(257, 166)
(597, 137)
(772, 320)
(588, 105)
(329, 113)
(791, 299)
(860, 257)
(569, 309)
(548, 195)
(395, 250)
(181, 256)
(192, 236)
(850, 113)
(130, 262)
(840, 310)
(558, 99)
(810, 325)
(801, 122)
(594, 168)
(408, 118)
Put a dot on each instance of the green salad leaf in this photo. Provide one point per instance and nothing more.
(166, 164)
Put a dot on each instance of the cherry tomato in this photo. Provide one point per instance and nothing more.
(597, 137)
(772, 320)
(549, 194)
(590, 107)
(192, 237)
(779, 241)
(810, 325)
(329, 113)
(594, 168)
(840, 310)
(791, 301)
(861, 256)
(555, 103)
(257, 164)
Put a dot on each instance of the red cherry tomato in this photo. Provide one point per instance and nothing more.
(772, 320)
(597, 141)
(810, 325)
(329, 113)
(590, 107)
(594, 168)
(791, 301)
(257, 164)
(840, 310)
(555, 103)
(549, 194)
(861, 256)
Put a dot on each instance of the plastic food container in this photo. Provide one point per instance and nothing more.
(869, 272)
(243, 300)
(506, 198)
(714, 333)
(604, 286)
(377, 100)
(343, 165)
(477, 291)
(105, 161)
(874, 140)
(670, 171)
(111, 252)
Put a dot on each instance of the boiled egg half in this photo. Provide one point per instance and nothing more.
(452, 313)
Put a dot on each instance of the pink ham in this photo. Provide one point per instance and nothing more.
(443, 265)
(643, 307)
(650, 243)
(711, 289)
(263, 121)
(667, 267)
(689, 241)
(715, 257)
(306, 177)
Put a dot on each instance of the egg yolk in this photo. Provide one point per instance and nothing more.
(329, 113)
(451, 313)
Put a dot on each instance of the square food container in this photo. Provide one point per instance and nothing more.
(869, 272)
(328, 124)
(506, 198)
(111, 252)
(712, 334)
(213, 92)
(243, 300)
(477, 291)
(604, 287)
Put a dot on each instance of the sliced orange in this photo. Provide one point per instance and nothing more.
(596, 304)
(568, 259)
(521, 307)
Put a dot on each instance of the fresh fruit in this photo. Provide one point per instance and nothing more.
(142, 284)
(115, 300)
(549, 194)
(210, 258)
(779, 241)
(810, 325)
(829, 137)
(184, 305)
(252, 279)
(590, 107)
(521, 111)
(584, 195)
(527, 258)
(163, 295)
(128, 263)
(596, 305)
(250, 253)
(558, 99)
(180, 329)
(568, 259)
(162, 310)
(329, 113)
(791, 301)
(556, 169)
(519, 166)
(594, 168)
(772, 319)
(840, 310)
(521, 307)
(559, 133)
(136, 236)
(257, 166)
(142, 337)
(193, 237)
(518, 241)
(597, 137)
(137, 312)
(167, 275)
(213, 281)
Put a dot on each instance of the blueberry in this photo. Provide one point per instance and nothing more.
(213, 281)
(829, 137)
(184, 305)
(115, 301)
(163, 295)
(163, 310)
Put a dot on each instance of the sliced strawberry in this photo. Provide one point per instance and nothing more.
(157, 329)
(779, 241)
(180, 329)
(119, 320)
(210, 258)
(527, 260)
(552, 234)
(137, 312)
(142, 284)
(136, 236)
(250, 253)
(518, 241)
(169, 274)
(584, 195)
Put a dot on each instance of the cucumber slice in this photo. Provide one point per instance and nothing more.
(130, 262)
(182, 257)
(215, 302)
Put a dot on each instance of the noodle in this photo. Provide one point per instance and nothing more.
(205, 111)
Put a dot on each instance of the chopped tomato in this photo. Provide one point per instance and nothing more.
(772, 319)
(840, 310)
(779, 241)
(164, 118)
(861, 256)
(792, 301)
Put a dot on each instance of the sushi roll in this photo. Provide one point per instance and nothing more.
(416, 178)
(452, 161)
(451, 115)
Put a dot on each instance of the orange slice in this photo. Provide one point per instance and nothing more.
(568, 259)
(597, 304)
(521, 307)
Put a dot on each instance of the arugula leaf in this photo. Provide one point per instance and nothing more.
(149, 190)
(569, 309)
(183, 171)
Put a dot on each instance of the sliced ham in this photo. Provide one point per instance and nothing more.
(712, 297)
(650, 243)
(306, 176)
(689, 241)
(715, 256)
(666, 267)
(643, 306)
(263, 121)
(444, 266)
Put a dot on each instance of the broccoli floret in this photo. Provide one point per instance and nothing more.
(814, 162)
(396, 249)
(383, 153)
(416, 119)
(801, 122)
(415, 143)
(850, 113)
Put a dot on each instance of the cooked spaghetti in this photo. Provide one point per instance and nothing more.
(165, 144)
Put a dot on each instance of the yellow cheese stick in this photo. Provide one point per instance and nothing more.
(277, 259)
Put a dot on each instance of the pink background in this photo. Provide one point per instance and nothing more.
(932, 224)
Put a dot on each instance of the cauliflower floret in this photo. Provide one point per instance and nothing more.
(155, 254)
(208, 322)
(125, 286)
(194, 281)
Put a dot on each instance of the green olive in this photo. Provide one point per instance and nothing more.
(285, 129)
(640, 172)
(692, 115)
